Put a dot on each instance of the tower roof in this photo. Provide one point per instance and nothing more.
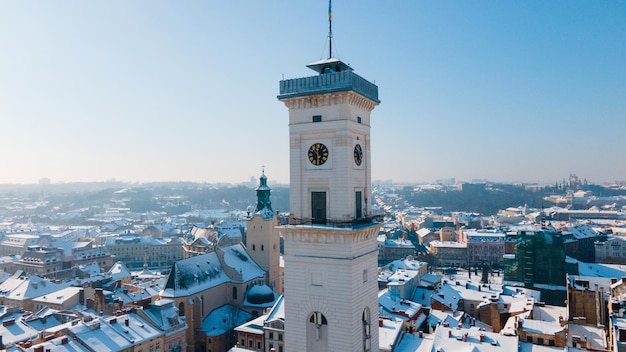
(263, 202)
(329, 65)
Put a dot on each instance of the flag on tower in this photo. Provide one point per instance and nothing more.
(330, 12)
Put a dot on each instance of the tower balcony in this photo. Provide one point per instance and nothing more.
(335, 223)
(328, 83)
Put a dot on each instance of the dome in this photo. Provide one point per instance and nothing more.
(260, 294)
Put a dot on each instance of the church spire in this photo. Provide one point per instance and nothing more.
(263, 192)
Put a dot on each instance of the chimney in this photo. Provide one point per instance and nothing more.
(421, 334)
(450, 333)
(380, 322)
(482, 337)
(98, 300)
(126, 321)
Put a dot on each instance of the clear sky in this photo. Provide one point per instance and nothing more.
(145, 91)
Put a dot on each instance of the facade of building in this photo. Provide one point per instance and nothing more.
(539, 263)
(44, 262)
(611, 250)
(136, 250)
(587, 297)
(390, 249)
(16, 244)
(452, 254)
(485, 247)
(330, 242)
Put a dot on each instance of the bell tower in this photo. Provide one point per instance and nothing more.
(263, 240)
(331, 290)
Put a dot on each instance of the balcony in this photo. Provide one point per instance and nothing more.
(328, 83)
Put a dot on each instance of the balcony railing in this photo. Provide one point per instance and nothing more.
(328, 83)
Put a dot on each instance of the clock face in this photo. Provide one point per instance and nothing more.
(358, 155)
(318, 154)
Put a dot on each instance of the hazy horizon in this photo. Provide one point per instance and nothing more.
(186, 92)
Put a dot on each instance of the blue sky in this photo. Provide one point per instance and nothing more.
(146, 91)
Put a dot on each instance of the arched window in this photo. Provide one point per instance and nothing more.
(367, 334)
(181, 309)
(234, 292)
(317, 333)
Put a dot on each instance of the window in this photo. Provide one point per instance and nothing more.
(540, 340)
(181, 309)
(243, 343)
(262, 247)
(358, 119)
(254, 247)
(529, 339)
(271, 337)
(258, 345)
(317, 118)
(357, 200)
(235, 294)
(318, 207)
(280, 337)
(365, 275)
(551, 342)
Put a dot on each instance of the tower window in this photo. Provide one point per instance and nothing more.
(317, 118)
(254, 247)
(262, 247)
(358, 119)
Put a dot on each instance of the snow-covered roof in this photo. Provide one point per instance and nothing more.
(394, 306)
(582, 231)
(595, 336)
(58, 344)
(460, 339)
(448, 244)
(223, 319)
(22, 287)
(388, 333)
(192, 275)
(119, 271)
(13, 329)
(164, 314)
(254, 326)
(60, 296)
(278, 310)
(541, 327)
(414, 343)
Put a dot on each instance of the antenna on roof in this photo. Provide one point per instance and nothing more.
(330, 29)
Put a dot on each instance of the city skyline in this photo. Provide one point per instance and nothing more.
(157, 91)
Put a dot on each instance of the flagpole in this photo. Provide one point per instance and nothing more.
(330, 30)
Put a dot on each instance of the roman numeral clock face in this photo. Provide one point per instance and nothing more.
(318, 154)
(358, 155)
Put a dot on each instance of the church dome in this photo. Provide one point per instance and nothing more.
(260, 294)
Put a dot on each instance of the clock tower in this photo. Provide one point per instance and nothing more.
(331, 289)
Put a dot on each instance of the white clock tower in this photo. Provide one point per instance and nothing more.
(331, 290)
